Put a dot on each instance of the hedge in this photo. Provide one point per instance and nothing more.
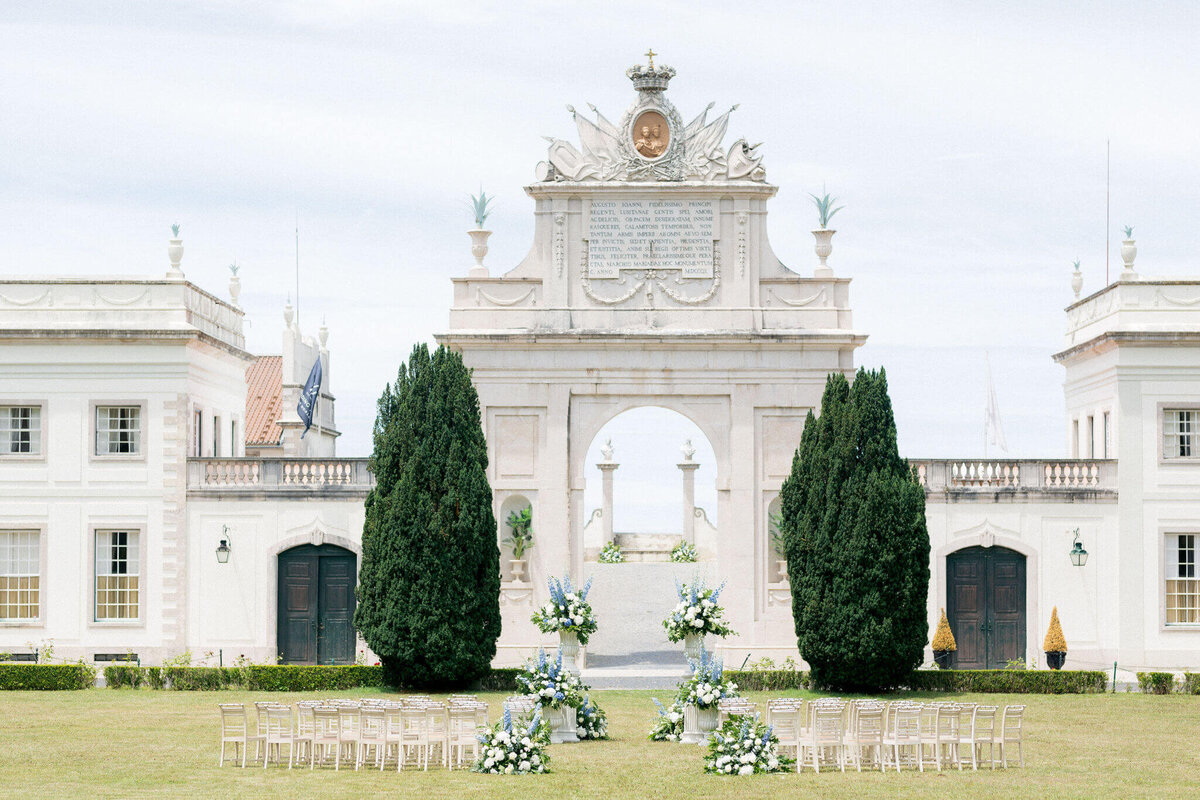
(1008, 681)
(500, 680)
(272, 678)
(1156, 682)
(1191, 683)
(769, 680)
(117, 676)
(48, 677)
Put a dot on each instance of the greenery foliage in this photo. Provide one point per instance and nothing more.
(943, 638)
(611, 554)
(770, 680)
(1156, 682)
(1128, 232)
(684, 553)
(479, 204)
(1054, 641)
(744, 746)
(46, 677)
(857, 545)
(825, 210)
(1008, 681)
(429, 586)
(521, 524)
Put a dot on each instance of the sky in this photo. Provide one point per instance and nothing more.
(966, 141)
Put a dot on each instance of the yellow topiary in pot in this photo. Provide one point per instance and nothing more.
(1055, 644)
(943, 642)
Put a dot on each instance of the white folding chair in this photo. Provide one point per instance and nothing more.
(372, 736)
(866, 733)
(825, 741)
(279, 732)
(327, 733)
(233, 730)
(904, 732)
(977, 730)
(1010, 733)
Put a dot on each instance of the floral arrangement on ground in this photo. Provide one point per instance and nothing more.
(546, 681)
(591, 721)
(684, 553)
(744, 746)
(611, 554)
(519, 748)
(697, 613)
(567, 611)
(705, 688)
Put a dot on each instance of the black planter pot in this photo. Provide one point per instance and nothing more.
(1055, 659)
(942, 658)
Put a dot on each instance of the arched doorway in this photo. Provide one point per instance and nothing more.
(985, 605)
(316, 605)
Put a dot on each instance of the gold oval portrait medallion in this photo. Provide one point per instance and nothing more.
(651, 135)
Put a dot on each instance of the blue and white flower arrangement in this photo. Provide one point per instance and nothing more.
(684, 553)
(515, 749)
(707, 685)
(668, 727)
(697, 613)
(567, 611)
(545, 680)
(591, 721)
(743, 746)
(611, 554)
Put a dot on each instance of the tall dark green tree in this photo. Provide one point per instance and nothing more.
(429, 585)
(853, 520)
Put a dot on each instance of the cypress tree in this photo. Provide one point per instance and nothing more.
(857, 546)
(429, 585)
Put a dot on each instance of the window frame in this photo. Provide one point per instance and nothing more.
(143, 430)
(93, 532)
(40, 530)
(43, 414)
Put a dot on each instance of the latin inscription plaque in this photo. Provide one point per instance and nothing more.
(651, 234)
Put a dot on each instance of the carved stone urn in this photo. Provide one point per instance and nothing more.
(1128, 254)
(568, 643)
(693, 645)
(563, 724)
(781, 568)
(479, 249)
(235, 288)
(1076, 282)
(698, 723)
(824, 247)
(175, 254)
(518, 569)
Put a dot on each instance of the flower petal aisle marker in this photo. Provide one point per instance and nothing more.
(744, 746)
(515, 749)
(669, 725)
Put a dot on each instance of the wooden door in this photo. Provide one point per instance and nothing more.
(316, 605)
(985, 604)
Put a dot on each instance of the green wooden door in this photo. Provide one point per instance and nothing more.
(316, 605)
(985, 605)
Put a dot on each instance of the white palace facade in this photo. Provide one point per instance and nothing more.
(155, 496)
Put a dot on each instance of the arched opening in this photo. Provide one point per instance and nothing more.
(985, 605)
(316, 605)
(651, 476)
(515, 512)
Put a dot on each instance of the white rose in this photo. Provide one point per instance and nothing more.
(746, 770)
(537, 760)
(488, 763)
(571, 597)
(523, 766)
(773, 763)
(697, 623)
(508, 770)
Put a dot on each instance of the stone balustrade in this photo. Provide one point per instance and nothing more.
(991, 475)
(234, 475)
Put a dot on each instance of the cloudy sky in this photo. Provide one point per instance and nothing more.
(966, 140)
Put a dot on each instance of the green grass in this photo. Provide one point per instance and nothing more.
(142, 743)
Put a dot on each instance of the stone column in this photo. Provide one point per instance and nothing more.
(688, 467)
(606, 508)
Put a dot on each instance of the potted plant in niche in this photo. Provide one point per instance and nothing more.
(1054, 644)
(943, 643)
(520, 522)
(779, 546)
(824, 235)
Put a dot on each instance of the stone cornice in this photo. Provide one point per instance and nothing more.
(1111, 339)
(122, 335)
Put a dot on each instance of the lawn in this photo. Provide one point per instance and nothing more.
(142, 743)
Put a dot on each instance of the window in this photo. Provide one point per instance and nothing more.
(197, 424)
(233, 438)
(1179, 432)
(1107, 434)
(1183, 590)
(118, 430)
(20, 430)
(1091, 437)
(216, 426)
(1075, 438)
(117, 576)
(20, 578)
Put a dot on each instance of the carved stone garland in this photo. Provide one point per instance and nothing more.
(648, 279)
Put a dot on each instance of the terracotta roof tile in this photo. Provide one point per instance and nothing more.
(264, 400)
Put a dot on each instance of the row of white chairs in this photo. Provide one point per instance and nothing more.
(883, 735)
(379, 733)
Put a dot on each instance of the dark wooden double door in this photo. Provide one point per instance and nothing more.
(316, 605)
(985, 605)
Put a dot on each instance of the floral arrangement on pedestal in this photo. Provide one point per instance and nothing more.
(515, 749)
(744, 746)
(704, 689)
(591, 721)
(568, 611)
(611, 554)
(707, 685)
(546, 681)
(697, 613)
(684, 553)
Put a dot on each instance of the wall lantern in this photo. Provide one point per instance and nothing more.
(223, 548)
(1078, 554)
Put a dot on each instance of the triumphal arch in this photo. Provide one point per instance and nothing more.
(650, 282)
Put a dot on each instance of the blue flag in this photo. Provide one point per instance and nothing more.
(308, 397)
